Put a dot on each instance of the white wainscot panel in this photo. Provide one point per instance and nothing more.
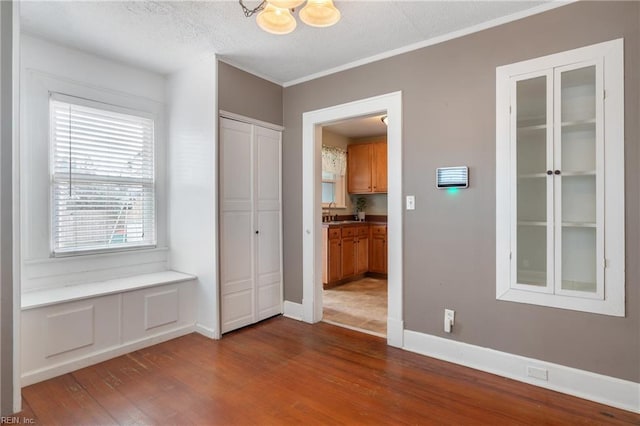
(69, 330)
(161, 308)
(156, 310)
(65, 332)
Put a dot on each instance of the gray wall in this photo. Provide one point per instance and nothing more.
(243, 93)
(449, 242)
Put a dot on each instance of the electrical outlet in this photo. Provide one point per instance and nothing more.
(449, 319)
(538, 373)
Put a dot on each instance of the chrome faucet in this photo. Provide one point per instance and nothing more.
(331, 218)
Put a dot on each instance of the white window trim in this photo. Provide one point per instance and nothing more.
(613, 302)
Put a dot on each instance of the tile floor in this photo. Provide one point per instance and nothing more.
(360, 305)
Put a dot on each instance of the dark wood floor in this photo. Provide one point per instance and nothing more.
(283, 371)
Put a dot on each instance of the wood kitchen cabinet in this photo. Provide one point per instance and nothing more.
(349, 255)
(345, 251)
(362, 250)
(379, 167)
(355, 250)
(367, 168)
(331, 255)
(378, 249)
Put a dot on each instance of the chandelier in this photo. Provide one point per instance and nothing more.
(275, 16)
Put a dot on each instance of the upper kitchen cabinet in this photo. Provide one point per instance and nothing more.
(560, 180)
(367, 168)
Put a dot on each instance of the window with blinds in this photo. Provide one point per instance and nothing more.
(102, 178)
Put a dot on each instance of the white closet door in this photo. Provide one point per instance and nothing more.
(237, 265)
(268, 206)
(250, 224)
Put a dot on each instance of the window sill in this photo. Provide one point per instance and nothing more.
(41, 298)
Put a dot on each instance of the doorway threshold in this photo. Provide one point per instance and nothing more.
(350, 327)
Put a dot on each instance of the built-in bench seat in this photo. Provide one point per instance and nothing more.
(46, 297)
(67, 328)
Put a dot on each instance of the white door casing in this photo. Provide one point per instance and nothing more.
(311, 219)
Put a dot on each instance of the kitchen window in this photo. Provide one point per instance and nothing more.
(102, 177)
(334, 166)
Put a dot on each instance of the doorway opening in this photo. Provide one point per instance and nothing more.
(354, 224)
(313, 122)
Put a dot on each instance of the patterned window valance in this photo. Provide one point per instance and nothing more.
(334, 160)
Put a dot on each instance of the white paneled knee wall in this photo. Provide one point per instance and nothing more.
(62, 337)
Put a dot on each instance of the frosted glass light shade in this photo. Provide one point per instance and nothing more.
(319, 13)
(286, 4)
(276, 20)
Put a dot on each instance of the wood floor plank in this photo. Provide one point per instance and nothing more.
(282, 372)
(63, 401)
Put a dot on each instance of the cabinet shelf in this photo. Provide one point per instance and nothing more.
(532, 127)
(532, 223)
(532, 121)
(532, 175)
(579, 173)
(579, 286)
(577, 125)
(565, 224)
(579, 224)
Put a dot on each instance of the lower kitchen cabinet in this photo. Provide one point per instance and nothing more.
(362, 250)
(378, 249)
(347, 253)
(331, 255)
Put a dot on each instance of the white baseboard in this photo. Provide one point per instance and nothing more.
(207, 332)
(583, 384)
(49, 372)
(395, 332)
(293, 310)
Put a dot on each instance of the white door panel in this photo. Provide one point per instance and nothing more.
(269, 301)
(237, 310)
(268, 242)
(237, 177)
(268, 168)
(236, 236)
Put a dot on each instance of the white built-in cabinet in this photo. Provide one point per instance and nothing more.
(250, 223)
(560, 180)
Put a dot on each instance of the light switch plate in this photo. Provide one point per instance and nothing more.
(411, 202)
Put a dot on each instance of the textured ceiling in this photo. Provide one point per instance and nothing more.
(361, 127)
(162, 35)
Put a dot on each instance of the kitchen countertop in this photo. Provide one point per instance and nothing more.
(340, 223)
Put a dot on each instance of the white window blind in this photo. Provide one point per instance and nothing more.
(102, 178)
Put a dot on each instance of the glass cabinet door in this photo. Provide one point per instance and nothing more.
(533, 209)
(577, 179)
